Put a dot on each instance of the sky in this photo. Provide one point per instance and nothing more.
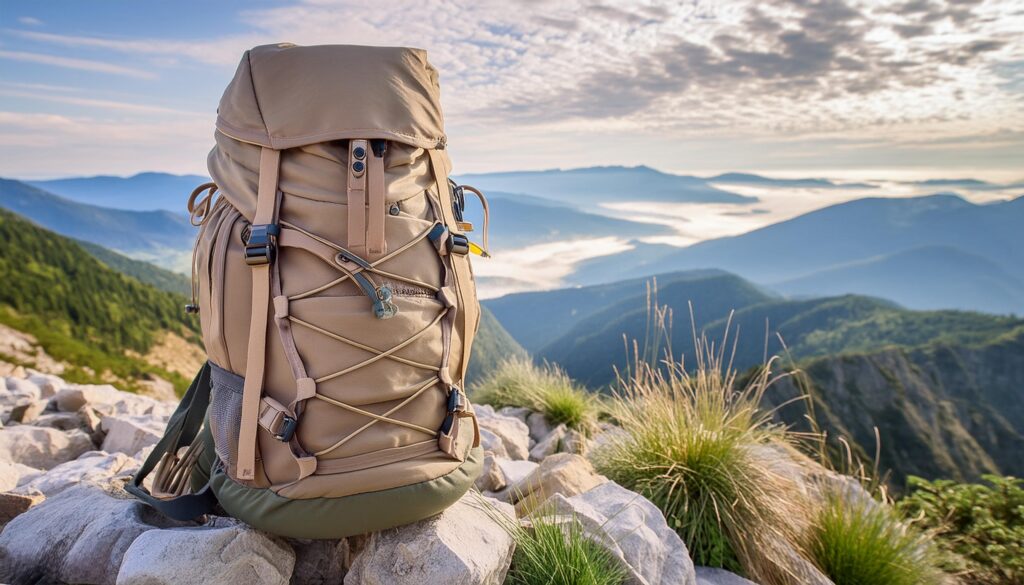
(901, 89)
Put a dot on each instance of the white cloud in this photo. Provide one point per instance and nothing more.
(30, 21)
(79, 64)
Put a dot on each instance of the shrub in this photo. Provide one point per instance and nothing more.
(699, 448)
(982, 523)
(861, 541)
(518, 381)
(556, 553)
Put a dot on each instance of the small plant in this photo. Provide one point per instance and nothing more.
(518, 381)
(981, 524)
(859, 541)
(557, 552)
(700, 449)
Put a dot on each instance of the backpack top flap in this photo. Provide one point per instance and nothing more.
(285, 96)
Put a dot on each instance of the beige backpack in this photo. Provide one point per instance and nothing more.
(337, 303)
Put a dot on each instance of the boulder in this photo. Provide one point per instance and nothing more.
(492, 443)
(13, 505)
(632, 529)
(223, 552)
(538, 425)
(26, 412)
(131, 434)
(93, 467)
(48, 384)
(319, 562)
(464, 545)
(42, 447)
(109, 401)
(519, 412)
(62, 421)
(548, 445)
(514, 434)
(709, 576)
(14, 474)
(563, 473)
(491, 478)
(574, 442)
(78, 536)
(515, 470)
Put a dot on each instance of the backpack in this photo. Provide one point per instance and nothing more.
(337, 303)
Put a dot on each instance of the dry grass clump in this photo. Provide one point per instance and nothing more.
(518, 381)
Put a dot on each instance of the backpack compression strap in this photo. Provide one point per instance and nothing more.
(182, 429)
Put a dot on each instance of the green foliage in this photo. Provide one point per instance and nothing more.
(550, 553)
(517, 381)
(981, 523)
(863, 542)
(144, 272)
(80, 310)
(695, 444)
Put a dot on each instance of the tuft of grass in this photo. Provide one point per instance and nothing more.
(517, 381)
(558, 552)
(695, 444)
(861, 542)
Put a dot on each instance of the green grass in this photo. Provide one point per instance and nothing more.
(553, 553)
(690, 446)
(863, 542)
(981, 525)
(517, 381)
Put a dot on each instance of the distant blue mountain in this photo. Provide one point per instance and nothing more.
(972, 184)
(162, 237)
(141, 192)
(751, 179)
(594, 185)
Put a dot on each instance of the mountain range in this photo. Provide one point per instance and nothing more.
(942, 387)
(141, 192)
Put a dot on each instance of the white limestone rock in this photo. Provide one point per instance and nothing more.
(92, 467)
(224, 552)
(710, 576)
(514, 434)
(42, 447)
(131, 434)
(464, 545)
(548, 445)
(632, 529)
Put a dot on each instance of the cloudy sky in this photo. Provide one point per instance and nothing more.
(841, 88)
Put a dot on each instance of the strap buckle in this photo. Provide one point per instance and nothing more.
(287, 430)
(456, 405)
(260, 246)
(458, 244)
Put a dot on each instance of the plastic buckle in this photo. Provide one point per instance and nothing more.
(287, 431)
(260, 248)
(458, 244)
(456, 404)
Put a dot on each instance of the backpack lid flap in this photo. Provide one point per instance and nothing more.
(285, 96)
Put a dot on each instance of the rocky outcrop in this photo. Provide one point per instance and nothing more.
(563, 473)
(42, 447)
(708, 576)
(512, 432)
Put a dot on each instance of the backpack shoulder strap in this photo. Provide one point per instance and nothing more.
(182, 429)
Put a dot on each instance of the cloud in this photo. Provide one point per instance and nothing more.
(97, 103)
(79, 64)
(30, 21)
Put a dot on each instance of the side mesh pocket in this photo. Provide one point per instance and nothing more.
(225, 413)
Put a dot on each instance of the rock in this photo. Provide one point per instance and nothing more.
(492, 443)
(709, 576)
(48, 384)
(131, 434)
(13, 474)
(538, 425)
(519, 412)
(632, 529)
(491, 478)
(156, 387)
(464, 545)
(226, 553)
(109, 401)
(42, 447)
(22, 387)
(574, 442)
(78, 536)
(13, 505)
(28, 411)
(319, 562)
(62, 421)
(93, 467)
(514, 434)
(562, 473)
(548, 445)
(515, 470)
(93, 423)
